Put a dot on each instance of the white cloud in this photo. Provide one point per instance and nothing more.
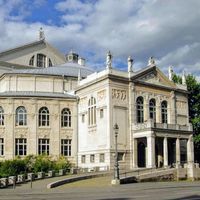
(168, 30)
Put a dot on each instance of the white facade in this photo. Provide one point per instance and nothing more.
(150, 110)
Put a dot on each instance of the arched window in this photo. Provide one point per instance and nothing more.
(140, 109)
(164, 111)
(92, 111)
(66, 117)
(31, 61)
(44, 116)
(41, 60)
(152, 109)
(21, 116)
(1, 117)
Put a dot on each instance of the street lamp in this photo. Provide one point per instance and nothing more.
(116, 179)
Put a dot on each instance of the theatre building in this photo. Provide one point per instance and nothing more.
(53, 103)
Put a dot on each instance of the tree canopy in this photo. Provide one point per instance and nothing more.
(193, 87)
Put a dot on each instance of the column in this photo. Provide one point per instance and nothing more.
(178, 153)
(135, 152)
(172, 113)
(190, 151)
(158, 113)
(151, 152)
(190, 158)
(165, 152)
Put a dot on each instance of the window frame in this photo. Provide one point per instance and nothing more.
(21, 116)
(92, 111)
(164, 112)
(1, 116)
(43, 146)
(66, 147)
(152, 109)
(1, 146)
(92, 158)
(41, 60)
(66, 118)
(43, 118)
(20, 146)
(140, 109)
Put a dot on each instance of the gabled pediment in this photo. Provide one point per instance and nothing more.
(154, 76)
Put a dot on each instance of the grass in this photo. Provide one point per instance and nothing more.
(94, 182)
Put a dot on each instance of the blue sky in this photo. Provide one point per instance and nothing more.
(166, 29)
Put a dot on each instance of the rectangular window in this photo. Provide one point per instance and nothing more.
(101, 113)
(43, 146)
(120, 156)
(1, 146)
(102, 158)
(66, 146)
(92, 158)
(83, 159)
(20, 146)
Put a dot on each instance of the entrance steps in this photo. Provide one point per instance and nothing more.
(148, 175)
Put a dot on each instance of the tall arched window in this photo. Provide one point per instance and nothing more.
(31, 61)
(152, 109)
(1, 117)
(41, 60)
(164, 111)
(44, 116)
(21, 116)
(66, 117)
(92, 111)
(140, 109)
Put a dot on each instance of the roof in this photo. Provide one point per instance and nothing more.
(31, 44)
(22, 47)
(36, 94)
(66, 69)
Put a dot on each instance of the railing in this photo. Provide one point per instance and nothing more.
(152, 124)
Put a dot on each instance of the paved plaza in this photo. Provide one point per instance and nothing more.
(100, 189)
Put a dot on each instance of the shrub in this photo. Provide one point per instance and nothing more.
(62, 163)
(12, 167)
(43, 163)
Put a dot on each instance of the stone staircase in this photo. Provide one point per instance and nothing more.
(142, 175)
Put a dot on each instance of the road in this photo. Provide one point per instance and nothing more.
(100, 189)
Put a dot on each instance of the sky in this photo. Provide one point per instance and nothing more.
(168, 30)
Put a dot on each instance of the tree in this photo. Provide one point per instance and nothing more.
(193, 87)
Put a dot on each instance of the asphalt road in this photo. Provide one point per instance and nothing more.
(99, 189)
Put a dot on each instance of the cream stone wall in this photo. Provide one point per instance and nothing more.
(39, 83)
(32, 131)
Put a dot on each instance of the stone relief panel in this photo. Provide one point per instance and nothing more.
(101, 96)
(181, 107)
(119, 97)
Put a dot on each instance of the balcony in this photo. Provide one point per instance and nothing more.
(151, 124)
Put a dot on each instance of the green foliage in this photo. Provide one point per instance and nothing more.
(31, 163)
(193, 87)
(12, 167)
(62, 163)
(43, 163)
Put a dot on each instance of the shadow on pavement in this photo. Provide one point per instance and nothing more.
(115, 199)
(193, 197)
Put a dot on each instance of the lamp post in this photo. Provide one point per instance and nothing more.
(116, 180)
